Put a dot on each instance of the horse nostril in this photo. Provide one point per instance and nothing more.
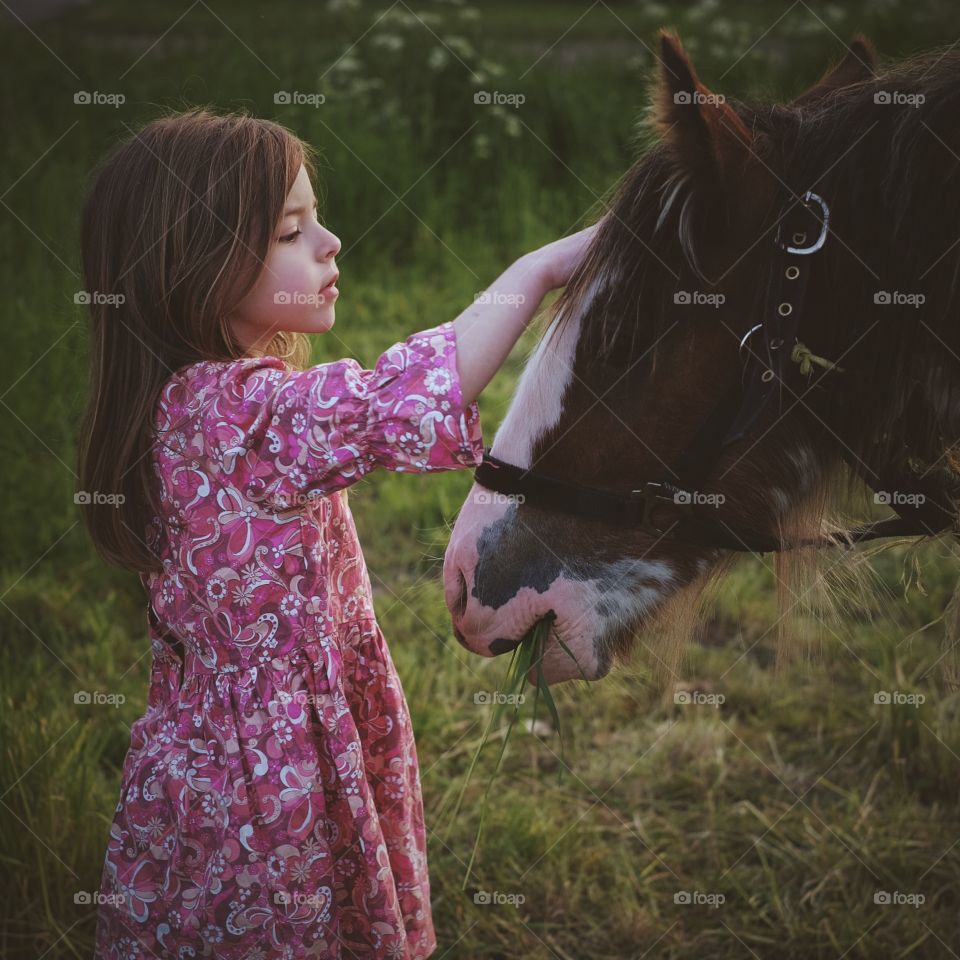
(503, 645)
(462, 595)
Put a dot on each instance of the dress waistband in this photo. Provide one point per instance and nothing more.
(309, 650)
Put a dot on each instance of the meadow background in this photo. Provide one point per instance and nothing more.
(785, 816)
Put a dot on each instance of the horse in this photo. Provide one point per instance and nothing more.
(763, 334)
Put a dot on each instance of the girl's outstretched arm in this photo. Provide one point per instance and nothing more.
(488, 329)
(284, 436)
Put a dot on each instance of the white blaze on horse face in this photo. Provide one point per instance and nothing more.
(538, 401)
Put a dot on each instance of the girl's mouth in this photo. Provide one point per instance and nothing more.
(330, 291)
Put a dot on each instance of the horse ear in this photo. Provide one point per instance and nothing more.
(859, 63)
(705, 131)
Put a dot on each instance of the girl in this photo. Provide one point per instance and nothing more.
(270, 800)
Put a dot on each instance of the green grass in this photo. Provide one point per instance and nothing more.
(796, 799)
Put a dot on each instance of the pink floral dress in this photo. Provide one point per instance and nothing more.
(270, 800)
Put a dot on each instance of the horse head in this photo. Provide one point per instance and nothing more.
(765, 322)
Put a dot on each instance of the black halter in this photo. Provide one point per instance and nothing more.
(768, 364)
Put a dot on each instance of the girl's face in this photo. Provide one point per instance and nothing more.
(295, 291)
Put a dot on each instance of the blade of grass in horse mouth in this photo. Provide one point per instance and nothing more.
(526, 660)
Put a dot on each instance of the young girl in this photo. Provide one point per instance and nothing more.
(270, 799)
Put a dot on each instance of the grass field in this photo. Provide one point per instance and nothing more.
(786, 814)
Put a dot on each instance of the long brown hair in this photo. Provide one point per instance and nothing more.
(175, 232)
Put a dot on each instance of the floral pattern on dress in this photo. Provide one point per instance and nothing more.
(270, 801)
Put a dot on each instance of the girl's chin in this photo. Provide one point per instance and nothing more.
(321, 321)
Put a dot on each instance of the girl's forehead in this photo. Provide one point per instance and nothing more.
(301, 195)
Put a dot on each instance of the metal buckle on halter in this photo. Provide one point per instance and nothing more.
(647, 494)
(809, 197)
(651, 492)
(749, 334)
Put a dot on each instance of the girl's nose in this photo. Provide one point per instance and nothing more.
(328, 245)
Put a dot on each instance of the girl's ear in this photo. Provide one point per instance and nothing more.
(858, 64)
(707, 134)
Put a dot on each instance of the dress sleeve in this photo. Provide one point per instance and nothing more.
(283, 436)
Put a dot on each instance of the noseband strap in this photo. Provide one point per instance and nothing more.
(803, 227)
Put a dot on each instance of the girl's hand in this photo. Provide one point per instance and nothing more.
(489, 327)
(559, 260)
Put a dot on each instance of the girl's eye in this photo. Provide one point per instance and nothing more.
(290, 237)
